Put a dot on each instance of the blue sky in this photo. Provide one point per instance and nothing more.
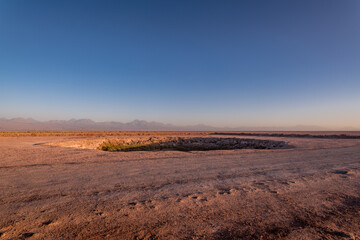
(221, 63)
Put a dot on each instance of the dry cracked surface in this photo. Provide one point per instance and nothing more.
(311, 191)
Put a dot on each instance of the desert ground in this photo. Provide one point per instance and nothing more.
(51, 190)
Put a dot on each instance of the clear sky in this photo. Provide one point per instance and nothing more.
(221, 63)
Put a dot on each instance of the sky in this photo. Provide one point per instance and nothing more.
(221, 63)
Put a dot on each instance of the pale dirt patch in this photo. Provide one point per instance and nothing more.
(79, 143)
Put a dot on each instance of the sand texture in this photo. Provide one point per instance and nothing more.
(309, 191)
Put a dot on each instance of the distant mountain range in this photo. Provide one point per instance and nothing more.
(25, 124)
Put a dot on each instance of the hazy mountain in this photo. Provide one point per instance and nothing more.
(24, 124)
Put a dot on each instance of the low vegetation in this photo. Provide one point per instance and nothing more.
(188, 144)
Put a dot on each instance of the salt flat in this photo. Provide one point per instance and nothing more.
(311, 191)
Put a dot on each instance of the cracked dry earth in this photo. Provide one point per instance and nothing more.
(311, 191)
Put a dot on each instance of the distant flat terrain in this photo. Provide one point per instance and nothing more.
(311, 191)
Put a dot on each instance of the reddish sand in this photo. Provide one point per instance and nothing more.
(309, 192)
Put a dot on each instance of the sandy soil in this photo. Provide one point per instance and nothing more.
(311, 191)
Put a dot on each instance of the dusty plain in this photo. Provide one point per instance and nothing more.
(310, 191)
